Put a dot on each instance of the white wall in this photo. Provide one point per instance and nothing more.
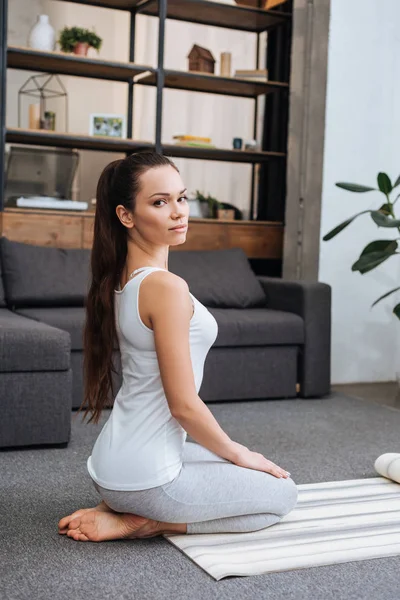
(21, 17)
(362, 137)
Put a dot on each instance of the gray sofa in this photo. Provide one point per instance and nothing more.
(273, 334)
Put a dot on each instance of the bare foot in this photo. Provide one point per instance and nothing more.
(100, 525)
(64, 522)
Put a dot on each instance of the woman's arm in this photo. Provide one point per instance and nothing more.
(169, 305)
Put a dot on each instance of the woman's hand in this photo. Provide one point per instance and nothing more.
(254, 460)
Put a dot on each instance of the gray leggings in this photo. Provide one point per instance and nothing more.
(211, 495)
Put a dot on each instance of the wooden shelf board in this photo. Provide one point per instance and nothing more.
(203, 12)
(217, 14)
(227, 155)
(71, 64)
(117, 4)
(41, 137)
(213, 84)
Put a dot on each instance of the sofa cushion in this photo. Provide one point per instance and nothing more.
(44, 276)
(68, 318)
(219, 278)
(257, 327)
(27, 345)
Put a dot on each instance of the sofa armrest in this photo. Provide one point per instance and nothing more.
(312, 302)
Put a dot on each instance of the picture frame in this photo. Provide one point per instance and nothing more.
(107, 125)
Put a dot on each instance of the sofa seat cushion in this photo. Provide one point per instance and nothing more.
(27, 345)
(68, 318)
(257, 327)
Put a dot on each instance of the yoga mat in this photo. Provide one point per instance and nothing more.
(333, 522)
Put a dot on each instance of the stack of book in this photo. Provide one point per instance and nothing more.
(252, 74)
(193, 140)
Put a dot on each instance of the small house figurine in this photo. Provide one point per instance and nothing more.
(201, 59)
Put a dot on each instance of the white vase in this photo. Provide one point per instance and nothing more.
(42, 35)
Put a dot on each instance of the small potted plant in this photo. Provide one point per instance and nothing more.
(78, 40)
(216, 209)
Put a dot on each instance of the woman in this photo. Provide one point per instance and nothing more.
(151, 481)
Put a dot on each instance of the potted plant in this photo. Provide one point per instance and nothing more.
(376, 252)
(216, 209)
(78, 40)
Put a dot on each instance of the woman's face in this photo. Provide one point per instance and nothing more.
(161, 205)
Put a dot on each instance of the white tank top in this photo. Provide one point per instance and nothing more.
(141, 444)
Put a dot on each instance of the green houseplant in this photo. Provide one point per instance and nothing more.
(376, 252)
(213, 203)
(78, 40)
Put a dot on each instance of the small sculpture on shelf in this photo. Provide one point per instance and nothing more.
(201, 59)
(78, 40)
(225, 64)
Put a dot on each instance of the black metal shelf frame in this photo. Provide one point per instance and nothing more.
(134, 7)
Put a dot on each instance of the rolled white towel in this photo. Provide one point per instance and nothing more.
(388, 465)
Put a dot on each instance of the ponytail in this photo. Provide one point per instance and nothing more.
(119, 183)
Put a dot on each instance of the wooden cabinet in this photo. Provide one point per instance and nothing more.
(259, 239)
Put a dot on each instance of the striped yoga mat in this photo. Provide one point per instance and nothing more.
(334, 522)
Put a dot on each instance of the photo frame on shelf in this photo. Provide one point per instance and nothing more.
(107, 125)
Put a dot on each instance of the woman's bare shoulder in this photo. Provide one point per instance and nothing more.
(165, 281)
(165, 294)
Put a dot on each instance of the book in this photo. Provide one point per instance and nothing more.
(195, 144)
(51, 203)
(252, 72)
(262, 79)
(192, 138)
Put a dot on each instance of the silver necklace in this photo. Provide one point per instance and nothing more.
(135, 271)
(140, 269)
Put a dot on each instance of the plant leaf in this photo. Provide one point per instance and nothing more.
(383, 221)
(363, 265)
(384, 246)
(396, 310)
(385, 296)
(371, 259)
(397, 182)
(340, 227)
(384, 183)
(354, 187)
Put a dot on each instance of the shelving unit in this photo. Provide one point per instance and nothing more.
(195, 11)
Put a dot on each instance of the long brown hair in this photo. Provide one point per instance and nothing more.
(119, 183)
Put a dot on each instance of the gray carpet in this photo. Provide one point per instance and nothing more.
(316, 440)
